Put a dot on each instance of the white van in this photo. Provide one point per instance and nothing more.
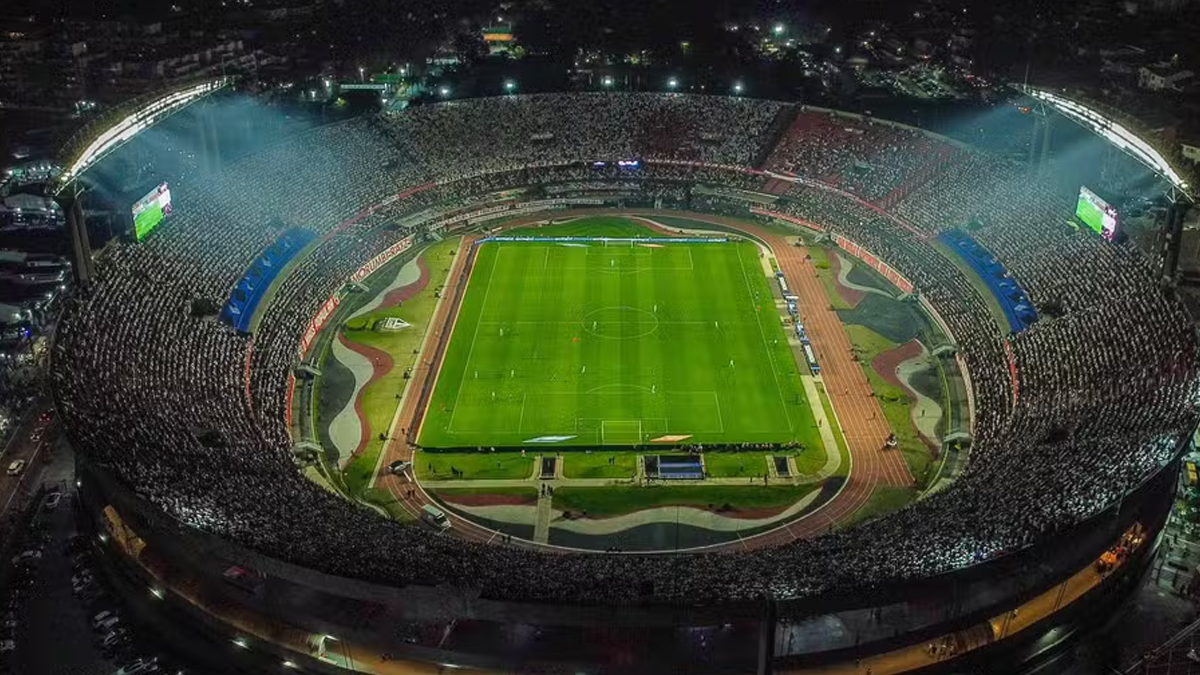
(435, 517)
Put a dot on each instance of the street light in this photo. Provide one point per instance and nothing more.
(444, 91)
(607, 81)
(737, 87)
(777, 29)
(362, 74)
(509, 86)
(672, 83)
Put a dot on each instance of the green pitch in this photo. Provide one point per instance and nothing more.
(617, 344)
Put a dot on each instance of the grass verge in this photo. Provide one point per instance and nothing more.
(435, 466)
(840, 438)
(525, 495)
(732, 500)
(380, 398)
(896, 404)
(596, 464)
(884, 499)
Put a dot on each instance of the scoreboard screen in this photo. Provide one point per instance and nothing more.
(150, 210)
(1099, 216)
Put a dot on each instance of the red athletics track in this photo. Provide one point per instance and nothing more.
(425, 372)
(859, 414)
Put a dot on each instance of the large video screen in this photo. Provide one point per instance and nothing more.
(150, 210)
(1100, 216)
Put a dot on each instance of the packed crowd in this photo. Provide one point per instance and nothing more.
(479, 136)
(870, 158)
(156, 395)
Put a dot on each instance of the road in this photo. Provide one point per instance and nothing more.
(28, 442)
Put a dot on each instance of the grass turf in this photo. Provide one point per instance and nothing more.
(838, 437)
(736, 464)
(379, 399)
(820, 262)
(614, 501)
(615, 345)
(526, 495)
(595, 464)
(434, 466)
(884, 499)
(896, 404)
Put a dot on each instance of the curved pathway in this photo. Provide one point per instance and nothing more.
(347, 430)
(410, 495)
(859, 414)
(844, 266)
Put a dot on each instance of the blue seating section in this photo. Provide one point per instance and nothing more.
(1012, 298)
(679, 468)
(249, 290)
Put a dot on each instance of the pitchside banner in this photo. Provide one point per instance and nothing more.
(875, 263)
(317, 323)
(382, 259)
(784, 216)
(642, 240)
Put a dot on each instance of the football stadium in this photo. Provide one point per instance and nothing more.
(624, 383)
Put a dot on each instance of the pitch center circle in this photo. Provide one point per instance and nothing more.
(620, 323)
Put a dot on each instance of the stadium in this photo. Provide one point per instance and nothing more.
(323, 398)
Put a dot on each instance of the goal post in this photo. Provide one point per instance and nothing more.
(620, 432)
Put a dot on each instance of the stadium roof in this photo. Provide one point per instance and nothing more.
(1108, 124)
(110, 131)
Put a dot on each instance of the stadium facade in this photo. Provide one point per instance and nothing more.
(1052, 523)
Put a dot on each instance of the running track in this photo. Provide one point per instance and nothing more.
(857, 410)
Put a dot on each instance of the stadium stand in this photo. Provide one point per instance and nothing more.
(153, 396)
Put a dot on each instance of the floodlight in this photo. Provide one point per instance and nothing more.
(737, 87)
(607, 81)
(777, 29)
(672, 83)
(444, 91)
(509, 85)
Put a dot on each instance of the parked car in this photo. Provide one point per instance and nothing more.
(27, 557)
(102, 616)
(16, 467)
(108, 624)
(139, 665)
(52, 500)
(399, 466)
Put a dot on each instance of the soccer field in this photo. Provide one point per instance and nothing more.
(617, 344)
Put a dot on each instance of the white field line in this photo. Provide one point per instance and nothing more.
(471, 352)
(767, 348)
(720, 419)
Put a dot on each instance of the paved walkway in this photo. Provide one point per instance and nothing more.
(844, 267)
(541, 524)
(556, 482)
(833, 456)
(346, 428)
(544, 515)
